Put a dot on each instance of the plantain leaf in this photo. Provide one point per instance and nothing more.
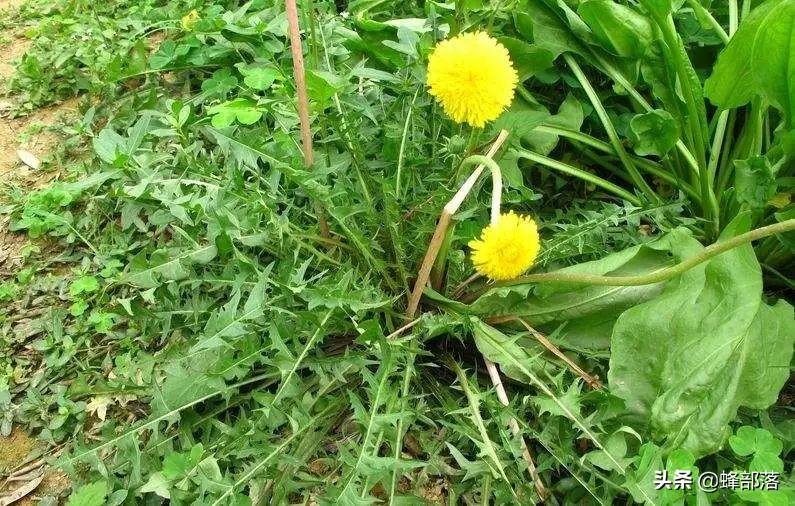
(618, 28)
(773, 58)
(722, 348)
(588, 311)
(549, 30)
(757, 60)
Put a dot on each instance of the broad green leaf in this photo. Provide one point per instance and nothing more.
(90, 494)
(616, 446)
(640, 476)
(259, 78)
(743, 443)
(164, 265)
(588, 312)
(618, 28)
(117, 497)
(653, 133)
(220, 83)
(228, 322)
(570, 116)
(754, 182)
(678, 460)
(722, 348)
(108, 144)
(182, 384)
(321, 86)
(524, 24)
(520, 120)
(245, 111)
(550, 31)
(84, 284)
(529, 59)
(659, 8)
(749, 440)
(168, 52)
(773, 58)
(178, 465)
(158, 484)
(734, 79)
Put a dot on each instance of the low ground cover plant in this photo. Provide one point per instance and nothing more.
(503, 253)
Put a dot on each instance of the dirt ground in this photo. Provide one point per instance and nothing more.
(26, 136)
(22, 470)
(23, 478)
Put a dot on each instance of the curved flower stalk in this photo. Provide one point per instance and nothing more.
(451, 208)
(430, 257)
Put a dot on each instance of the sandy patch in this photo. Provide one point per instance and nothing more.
(29, 133)
(36, 479)
(10, 4)
(14, 449)
(11, 51)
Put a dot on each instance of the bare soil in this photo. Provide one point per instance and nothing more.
(31, 134)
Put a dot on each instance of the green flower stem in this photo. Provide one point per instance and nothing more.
(693, 98)
(717, 143)
(610, 129)
(580, 174)
(677, 55)
(662, 274)
(722, 146)
(734, 17)
(708, 200)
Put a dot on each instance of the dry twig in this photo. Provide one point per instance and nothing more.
(303, 101)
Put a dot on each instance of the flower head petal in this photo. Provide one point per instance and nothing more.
(507, 248)
(473, 78)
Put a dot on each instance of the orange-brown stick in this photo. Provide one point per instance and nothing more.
(303, 99)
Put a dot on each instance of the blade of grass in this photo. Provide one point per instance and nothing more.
(580, 174)
(607, 123)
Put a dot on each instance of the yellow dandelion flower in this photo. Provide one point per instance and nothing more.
(506, 249)
(189, 20)
(473, 78)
